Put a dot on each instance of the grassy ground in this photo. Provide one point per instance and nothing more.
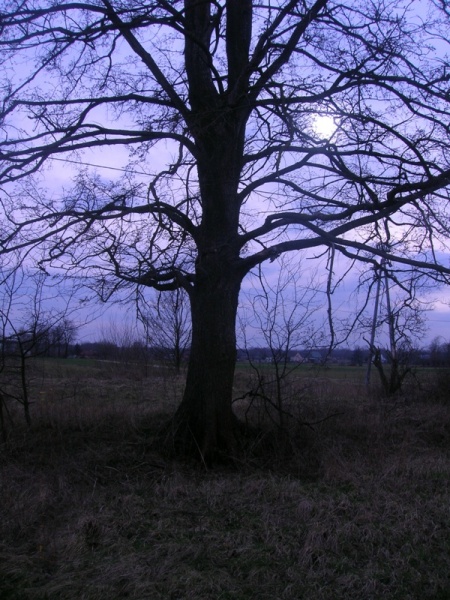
(351, 501)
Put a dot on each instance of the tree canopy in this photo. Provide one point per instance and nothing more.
(177, 75)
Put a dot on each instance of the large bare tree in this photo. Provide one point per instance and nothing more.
(218, 104)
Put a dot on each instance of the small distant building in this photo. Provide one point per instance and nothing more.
(315, 357)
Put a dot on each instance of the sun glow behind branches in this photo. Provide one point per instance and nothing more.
(324, 126)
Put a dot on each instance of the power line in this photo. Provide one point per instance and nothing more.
(86, 164)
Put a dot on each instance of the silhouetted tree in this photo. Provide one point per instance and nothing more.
(166, 321)
(439, 352)
(399, 314)
(218, 103)
(281, 313)
(29, 327)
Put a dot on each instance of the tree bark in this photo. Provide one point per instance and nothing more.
(204, 422)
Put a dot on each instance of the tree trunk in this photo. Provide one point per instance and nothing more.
(204, 422)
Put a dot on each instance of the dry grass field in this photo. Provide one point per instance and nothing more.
(350, 501)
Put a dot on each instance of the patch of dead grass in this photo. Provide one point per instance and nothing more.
(354, 506)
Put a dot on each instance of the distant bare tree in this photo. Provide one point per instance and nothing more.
(399, 313)
(168, 326)
(281, 316)
(61, 337)
(32, 319)
(439, 352)
(123, 343)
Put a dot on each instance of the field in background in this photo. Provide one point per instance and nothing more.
(349, 501)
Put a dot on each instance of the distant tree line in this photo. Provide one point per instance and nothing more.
(41, 339)
(436, 355)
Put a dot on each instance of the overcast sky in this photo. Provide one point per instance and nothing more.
(109, 162)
